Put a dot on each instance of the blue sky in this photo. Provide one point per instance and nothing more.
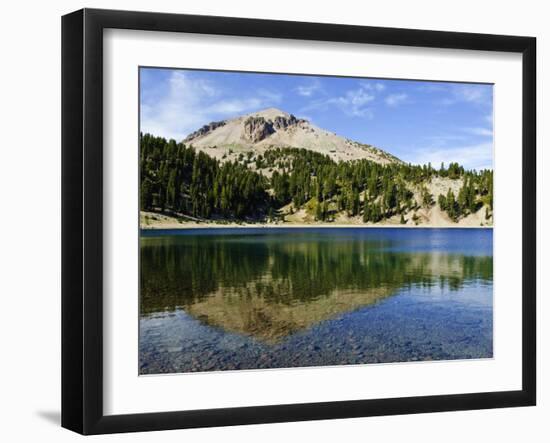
(417, 121)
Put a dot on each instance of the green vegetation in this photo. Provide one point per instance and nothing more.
(476, 190)
(175, 178)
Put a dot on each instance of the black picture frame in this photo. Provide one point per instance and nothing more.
(82, 218)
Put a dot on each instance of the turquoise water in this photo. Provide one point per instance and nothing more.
(240, 298)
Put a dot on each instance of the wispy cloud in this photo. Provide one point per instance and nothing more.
(354, 103)
(478, 156)
(186, 103)
(307, 90)
(455, 93)
(471, 147)
(394, 100)
(431, 87)
(474, 94)
(369, 85)
(484, 132)
(233, 106)
(471, 93)
(173, 112)
(269, 96)
(442, 140)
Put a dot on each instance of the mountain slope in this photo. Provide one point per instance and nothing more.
(300, 186)
(271, 128)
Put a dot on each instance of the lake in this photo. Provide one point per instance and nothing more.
(252, 298)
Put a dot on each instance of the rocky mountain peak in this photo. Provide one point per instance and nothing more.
(257, 128)
(204, 130)
(270, 128)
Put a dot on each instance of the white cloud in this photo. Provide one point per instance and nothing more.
(309, 89)
(174, 113)
(353, 103)
(269, 96)
(431, 87)
(188, 103)
(394, 100)
(479, 156)
(466, 93)
(444, 140)
(469, 93)
(233, 106)
(484, 132)
(372, 86)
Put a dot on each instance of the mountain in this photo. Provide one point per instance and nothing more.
(270, 167)
(272, 128)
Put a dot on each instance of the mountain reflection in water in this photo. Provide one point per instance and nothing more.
(267, 285)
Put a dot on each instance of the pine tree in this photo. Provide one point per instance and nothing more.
(442, 202)
(356, 202)
(171, 190)
(452, 207)
(146, 194)
(366, 211)
(376, 213)
(325, 210)
(427, 198)
(318, 211)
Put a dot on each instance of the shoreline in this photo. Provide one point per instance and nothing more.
(155, 221)
(189, 226)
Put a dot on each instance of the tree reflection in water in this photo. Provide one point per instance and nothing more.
(271, 286)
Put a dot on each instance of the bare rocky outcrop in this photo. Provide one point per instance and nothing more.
(204, 130)
(283, 122)
(257, 128)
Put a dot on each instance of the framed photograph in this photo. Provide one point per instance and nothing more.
(269, 221)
